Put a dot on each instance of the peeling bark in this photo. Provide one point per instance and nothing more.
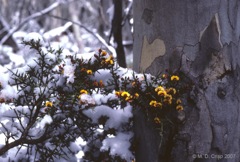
(201, 40)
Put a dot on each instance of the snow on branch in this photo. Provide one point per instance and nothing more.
(31, 17)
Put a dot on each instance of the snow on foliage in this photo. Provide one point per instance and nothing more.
(119, 145)
(57, 31)
(47, 119)
(116, 117)
(68, 71)
(62, 107)
(34, 36)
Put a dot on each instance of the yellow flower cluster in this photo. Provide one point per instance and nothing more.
(88, 71)
(108, 61)
(126, 96)
(165, 93)
(159, 88)
(156, 104)
(179, 107)
(168, 99)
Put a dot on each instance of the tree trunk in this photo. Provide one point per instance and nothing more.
(200, 39)
(117, 32)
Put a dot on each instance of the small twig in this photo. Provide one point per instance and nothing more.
(33, 16)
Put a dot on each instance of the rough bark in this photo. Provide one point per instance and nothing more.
(200, 39)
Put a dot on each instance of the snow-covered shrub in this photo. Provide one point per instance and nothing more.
(47, 105)
(57, 100)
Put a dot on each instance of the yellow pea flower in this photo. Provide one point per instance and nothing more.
(118, 93)
(153, 103)
(109, 60)
(175, 78)
(103, 53)
(136, 95)
(168, 97)
(89, 72)
(157, 120)
(179, 107)
(158, 104)
(48, 104)
(159, 88)
(83, 91)
(129, 98)
(162, 93)
(178, 101)
(125, 94)
(172, 90)
(167, 101)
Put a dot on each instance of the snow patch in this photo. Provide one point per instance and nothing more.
(34, 36)
(119, 145)
(116, 116)
(47, 119)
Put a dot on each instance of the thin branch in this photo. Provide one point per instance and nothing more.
(31, 17)
(22, 141)
(19, 119)
(96, 35)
